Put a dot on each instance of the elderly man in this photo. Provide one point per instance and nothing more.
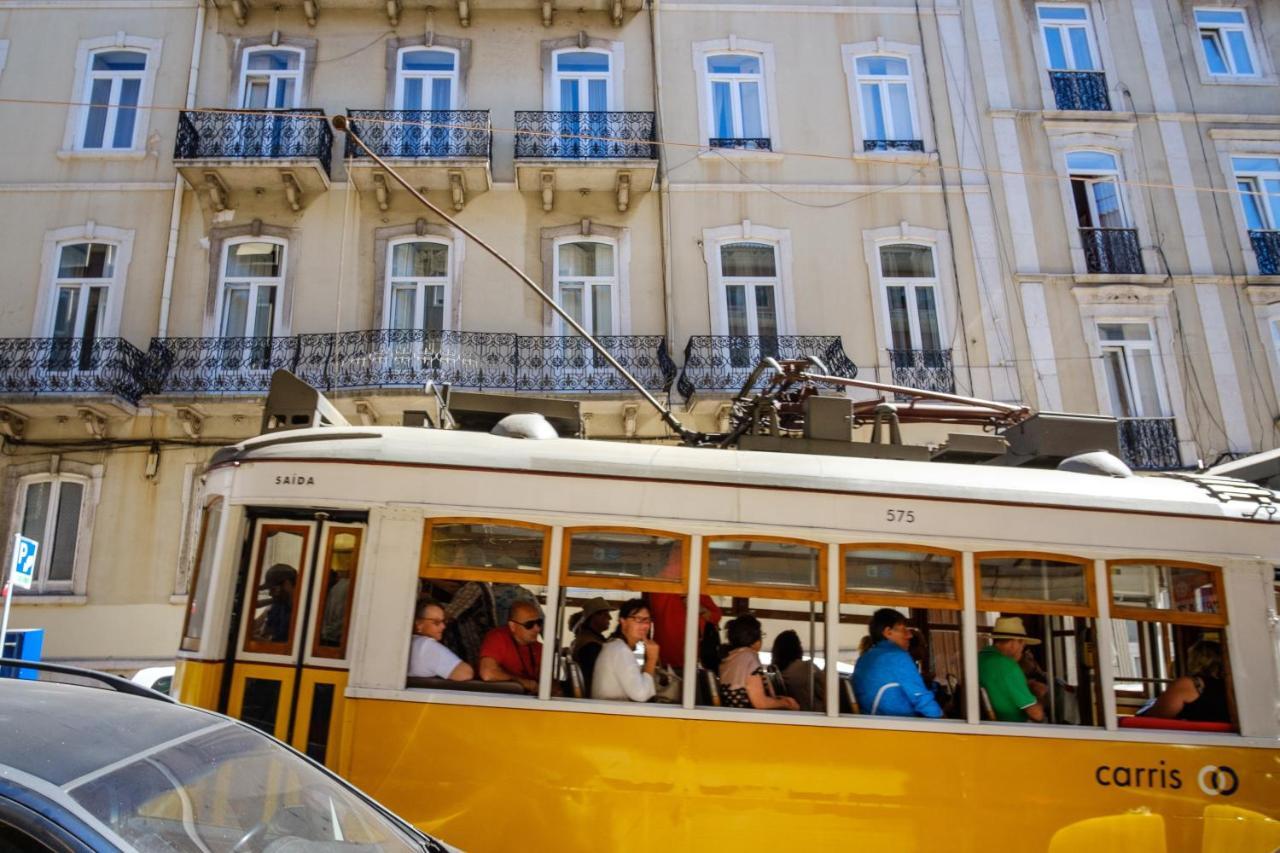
(885, 679)
(1001, 676)
(513, 652)
(428, 656)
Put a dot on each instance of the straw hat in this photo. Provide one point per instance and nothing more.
(1011, 628)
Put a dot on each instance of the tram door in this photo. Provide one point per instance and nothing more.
(288, 655)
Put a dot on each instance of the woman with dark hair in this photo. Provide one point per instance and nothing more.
(617, 676)
(742, 674)
(1201, 694)
(802, 677)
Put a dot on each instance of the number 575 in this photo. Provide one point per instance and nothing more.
(900, 516)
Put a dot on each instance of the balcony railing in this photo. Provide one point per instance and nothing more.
(1149, 444)
(407, 358)
(724, 362)
(585, 135)
(1111, 250)
(1080, 90)
(110, 366)
(254, 135)
(747, 143)
(928, 370)
(421, 133)
(893, 145)
(1266, 245)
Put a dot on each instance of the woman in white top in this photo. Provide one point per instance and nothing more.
(617, 675)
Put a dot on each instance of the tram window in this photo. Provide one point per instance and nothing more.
(337, 587)
(1054, 677)
(883, 686)
(1046, 580)
(501, 546)
(625, 555)
(274, 598)
(763, 563)
(1180, 588)
(887, 573)
(198, 593)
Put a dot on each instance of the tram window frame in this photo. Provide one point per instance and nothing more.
(887, 599)
(189, 643)
(262, 647)
(429, 570)
(338, 653)
(766, 591)
(1037, 606)
(1177, 617)
(617, 583)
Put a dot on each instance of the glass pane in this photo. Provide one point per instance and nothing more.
(1256, 164)
(625, 555)
(275, 598)
(1057, 51)
(420, 260)
(601, 310)
(736, 307)
(87, 260)
(411, 94)
(264, 313)
(1106, 199)
(235, 312)
(427, 60)
(1145, 375)
(338, 580)
(882, 65)
(766, 312)
(435, 308)
(873, 112)
(1080, 53)
(479, 545)
(571, 300)
(582, 60)
(1219, 16)
(900, 112)
(1118, 383)
(899, 572)
(1178, 588)
(748, 260)
(66, 530)
(748, 561)
(1240, 51)
(94, 310)
(1272, 200)
(1090, 161)
(261, 703)
(255, 94)
(284, 93)
(441, 94)
(586, 259)
(35, 511)
(126, 117)
(64, 317)
(119, 60)
(569, 96)
(402, 314)
(95, 126)
(927, 317)
(598, 95)
(752, 118)
(721, 112)
(254, 260)
(198, 596)
(1213, 55)
(727, 63)
(1062, 13)
(906, 261)
(899, 322)
(274, 60)
(1252, 206)
(1032, 579)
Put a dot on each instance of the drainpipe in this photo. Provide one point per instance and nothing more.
(179, 183)
(664, 196)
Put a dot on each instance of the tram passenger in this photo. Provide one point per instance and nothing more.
(513, 652)
(802, 677)
(669, 609)
(1201, 694)
(273, 624)
(589, 636)
(885, 678)
(742, 673)
(428, 656)
(617, 676)
(1000, 674)
(472, 615)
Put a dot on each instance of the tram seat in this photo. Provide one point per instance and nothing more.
(1135, 722)
(774, 685)
(988, 713)
(708, 686)
(848, 702)
(477, 686)
(575, 684)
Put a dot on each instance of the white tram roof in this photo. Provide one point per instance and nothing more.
(939, 480)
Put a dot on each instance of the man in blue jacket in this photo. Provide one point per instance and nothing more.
(885, 679)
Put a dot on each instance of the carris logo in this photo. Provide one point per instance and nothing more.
(1215, 780)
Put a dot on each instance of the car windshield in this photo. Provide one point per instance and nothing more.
(226, 788)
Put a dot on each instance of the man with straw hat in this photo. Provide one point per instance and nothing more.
(1001, 676)
(589, 626)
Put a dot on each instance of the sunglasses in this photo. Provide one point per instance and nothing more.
(530, 624)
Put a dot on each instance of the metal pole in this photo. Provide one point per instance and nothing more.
(341, 125)
(8, 597)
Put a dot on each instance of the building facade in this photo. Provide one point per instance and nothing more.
(991, 197)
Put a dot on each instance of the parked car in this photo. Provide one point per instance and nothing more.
(104, 764)
(158, 678)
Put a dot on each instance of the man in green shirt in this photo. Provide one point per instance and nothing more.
(1001, 676)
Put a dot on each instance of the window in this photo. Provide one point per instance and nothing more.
(426, 79)
(901, 574)
(113, 91)
(1258, 180)
(1226, 42)
(418, 285)
(336, 589)
(49, 511)
(582, 81)
(198, 598)
(911, 283)
(498, 550)
(750, 275)
(1095, 189)
(252, 277)
(271, 78)
(82, 285)
(282, 556)
(586, 285)
(886, 103)
(1068, 38)
(1131, 361)
(737, 116)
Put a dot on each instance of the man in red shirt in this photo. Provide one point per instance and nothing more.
(513, 652)
(668, 610)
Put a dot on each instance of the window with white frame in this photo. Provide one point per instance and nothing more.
(886, 102)
(910, 280)
(1135, 375)
(1275, 337)
(736, 90)
(82, 287)
(271, 78)
(749, 272)
(113, 93)
(426, 79)
(587, 284)
(1095, 189)
(582, 80)
(251, 280)
(1226, 42)
(1068, 38)
(1258, 180)
(418, 285)
(49, 511)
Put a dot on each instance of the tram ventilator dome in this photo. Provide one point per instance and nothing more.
(525, 425)
(1099, 462)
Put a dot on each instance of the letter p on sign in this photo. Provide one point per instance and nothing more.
(23, 570)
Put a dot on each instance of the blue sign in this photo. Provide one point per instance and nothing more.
(23, 570)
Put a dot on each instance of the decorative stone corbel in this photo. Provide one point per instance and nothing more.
(366, 412)
(548, 182)
(292, 191)
(464, 12)
(191, 421)
(12, 424)
(630, 416)
(615, 13)
(240, 9)
(623, 189)
(393, 12)
(94, 423)
(311, 8)
(457, 190)
(548, 12)
(219, 195)
(381, 191)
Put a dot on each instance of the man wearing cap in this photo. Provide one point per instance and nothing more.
(589, 637)
(1001, 676)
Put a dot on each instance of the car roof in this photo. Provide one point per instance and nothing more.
(60, 732)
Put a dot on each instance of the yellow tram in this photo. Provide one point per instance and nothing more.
(1117, 576)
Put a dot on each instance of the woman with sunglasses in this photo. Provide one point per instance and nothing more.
(617, 675)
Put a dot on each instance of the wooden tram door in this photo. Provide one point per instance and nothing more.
(287, 655)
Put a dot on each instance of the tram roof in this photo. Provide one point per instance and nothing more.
(954, 481)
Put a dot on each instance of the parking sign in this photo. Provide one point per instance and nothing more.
(23, 570)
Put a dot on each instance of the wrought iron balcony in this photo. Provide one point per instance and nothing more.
(1149, 444)
(741, 143)
(928, 369)
(89, 366)
(1266, 245)
(420, 134)
(1080, 90)
(893, 145)
(568, 363)
(254, 135)
(585, 135)
(1112, 251)
(724, 362)
(219, 365)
